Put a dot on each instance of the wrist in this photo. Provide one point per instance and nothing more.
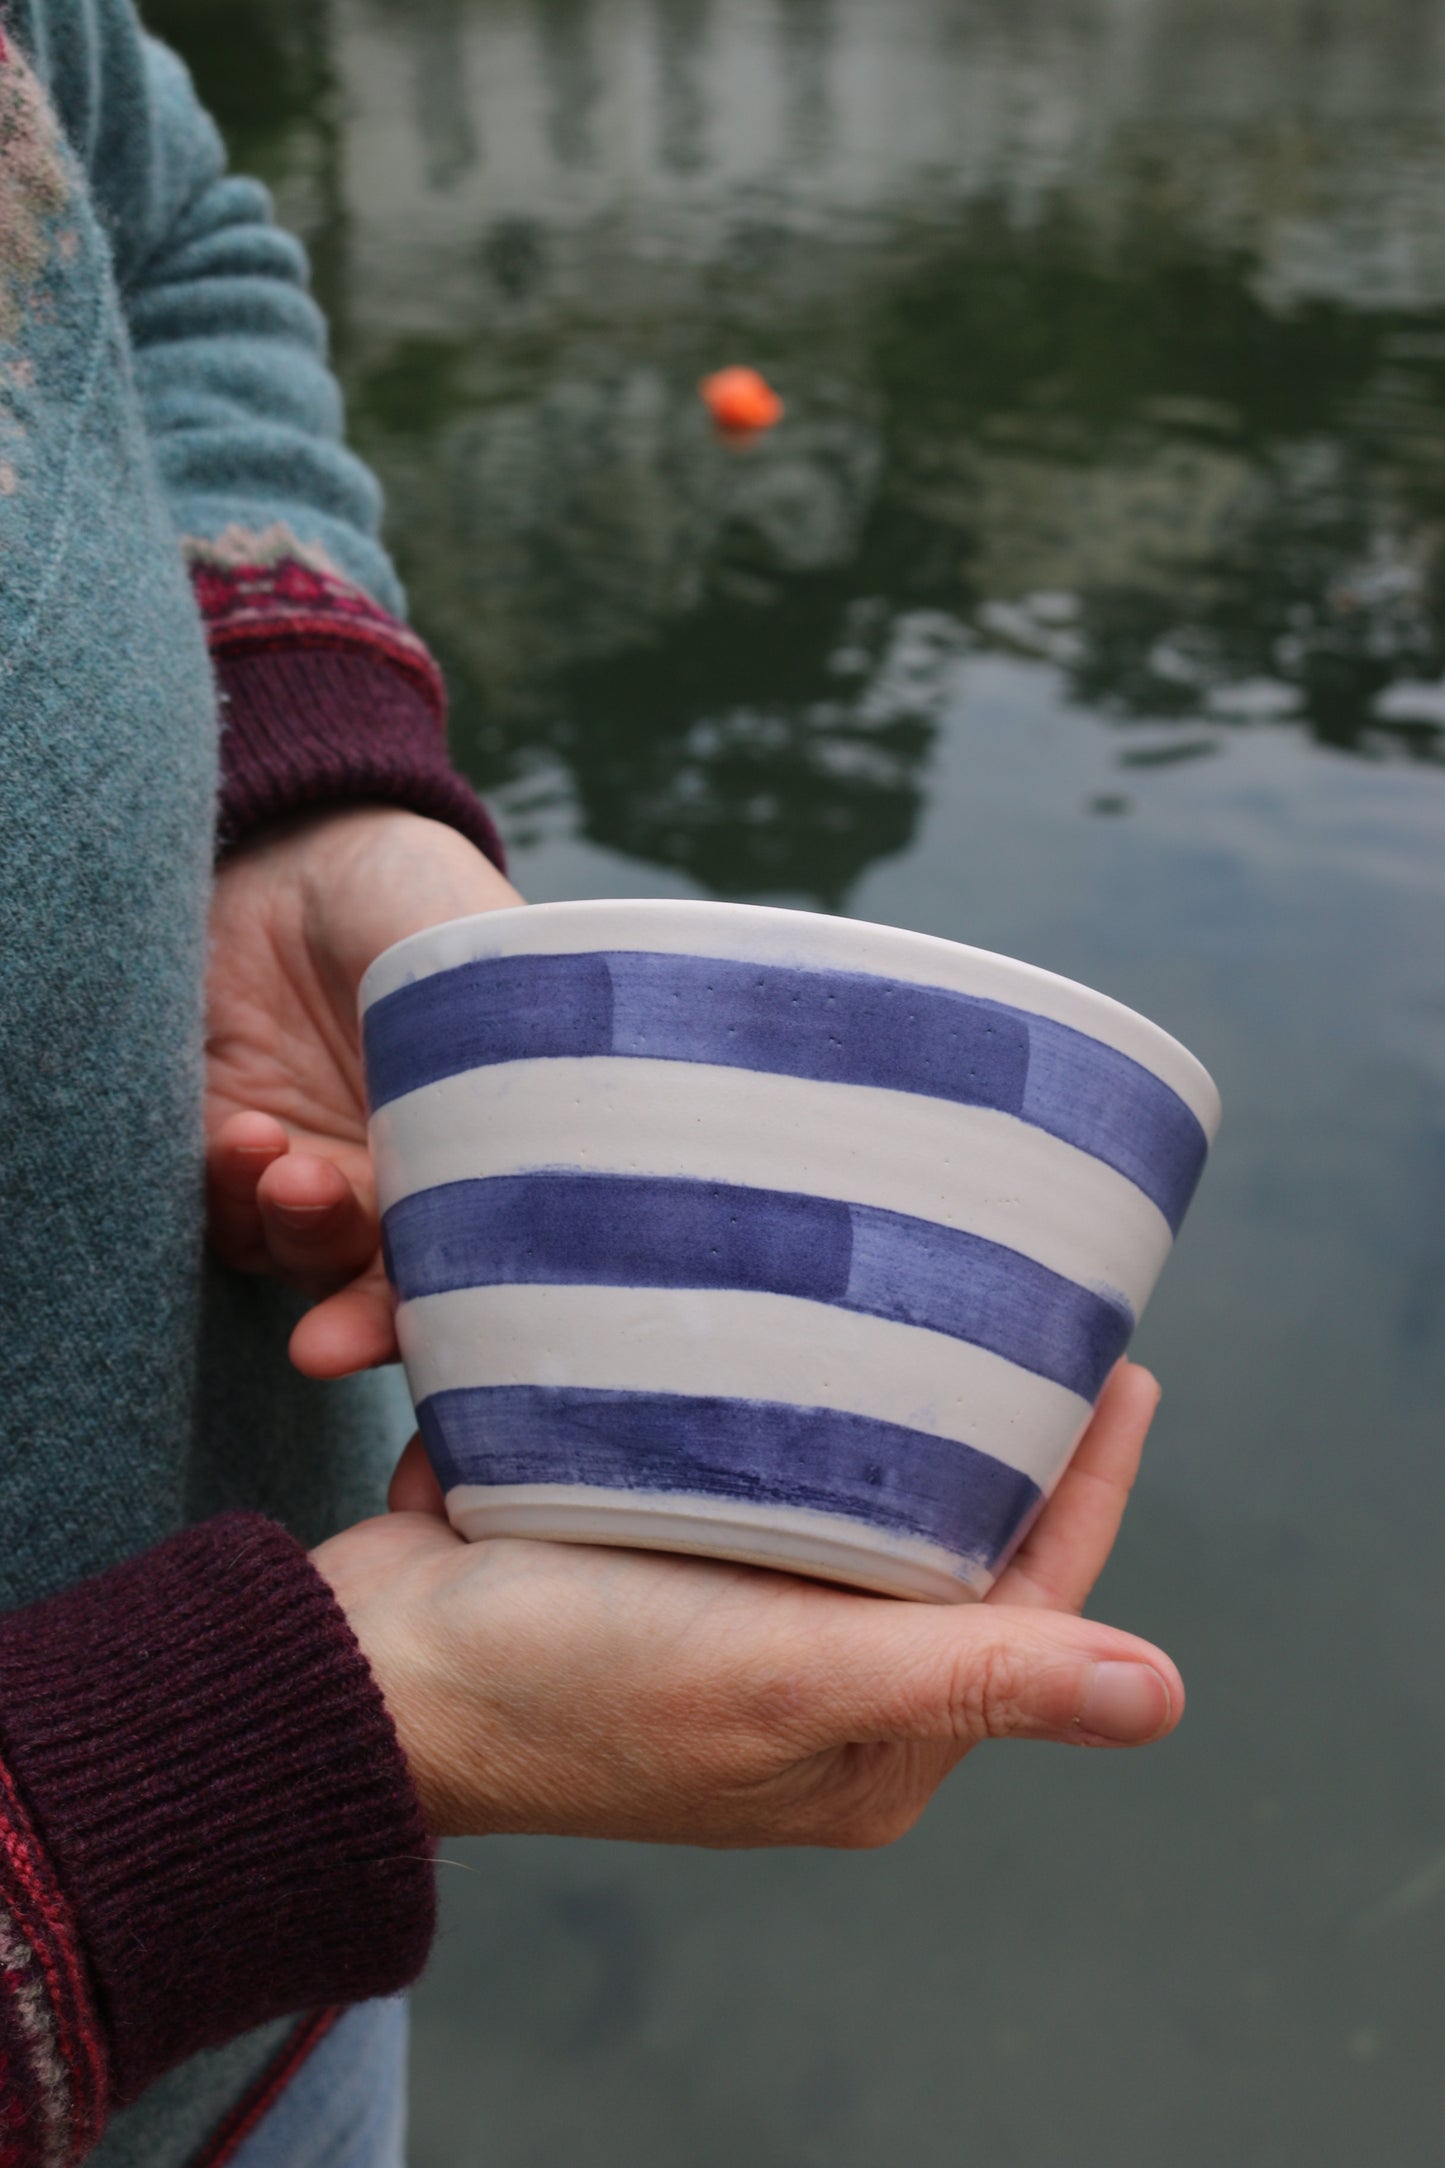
(391, 1578)
(325, 839)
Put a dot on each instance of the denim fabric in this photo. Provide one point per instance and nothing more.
(346, 2105)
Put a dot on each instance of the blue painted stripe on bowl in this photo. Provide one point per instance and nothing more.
(590, 1230)
(906, 1482)
(829, 1026)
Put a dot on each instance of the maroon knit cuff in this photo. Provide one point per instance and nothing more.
(305, 726)
(214, 1783)
(325, 696)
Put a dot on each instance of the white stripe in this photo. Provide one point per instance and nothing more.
(788, 1537)
(965, 1167)
(756, 933)
(741, 1346)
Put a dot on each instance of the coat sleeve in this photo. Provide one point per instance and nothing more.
(206, 1823)
(327, 695)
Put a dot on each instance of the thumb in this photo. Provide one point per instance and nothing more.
(956, 1678)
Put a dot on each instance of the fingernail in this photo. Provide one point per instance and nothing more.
(1125, 1702)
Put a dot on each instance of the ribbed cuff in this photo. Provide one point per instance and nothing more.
(219, 1789)
(313, 724)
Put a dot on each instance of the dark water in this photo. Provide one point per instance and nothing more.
(1089, 605)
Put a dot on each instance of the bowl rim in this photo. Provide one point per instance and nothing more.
(1187, 1075)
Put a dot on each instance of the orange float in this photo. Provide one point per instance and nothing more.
(740, 399)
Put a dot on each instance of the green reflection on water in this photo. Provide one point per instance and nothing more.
(1104, 443)
(263, 69)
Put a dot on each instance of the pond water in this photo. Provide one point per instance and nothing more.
(1088, 605)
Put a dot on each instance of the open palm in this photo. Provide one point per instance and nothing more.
(296, 919)
(560, 1689)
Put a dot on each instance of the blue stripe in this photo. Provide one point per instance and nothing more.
(598, 1230)
(831, 1026)
(760, 1451)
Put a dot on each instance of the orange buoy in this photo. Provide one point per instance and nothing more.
(741, 399)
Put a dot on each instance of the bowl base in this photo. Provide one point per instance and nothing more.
(822, 1546)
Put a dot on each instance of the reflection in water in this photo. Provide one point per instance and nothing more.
(681, 32)
(806, 31)
(445, 115)
(566, 31)
(1238, 503)
(764, 753)
(266, 70)
(1092, 344)
(514, 254)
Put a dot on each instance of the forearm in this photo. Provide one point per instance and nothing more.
(326, 696)
(205, 1823)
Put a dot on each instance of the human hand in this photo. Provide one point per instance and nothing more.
(296, 918)
(568, 1690)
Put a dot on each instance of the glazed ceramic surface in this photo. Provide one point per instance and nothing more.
(766, 1235)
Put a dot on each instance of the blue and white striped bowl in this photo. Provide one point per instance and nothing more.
(764, 1235)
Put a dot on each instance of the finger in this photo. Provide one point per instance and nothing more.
(885, 1673)
(1043, 1675)
(317, 1227)
(349, 1331)
(239, 1153)
(414, 1487)
(1064, 1553)
(1028, 1675)
(869, 1705)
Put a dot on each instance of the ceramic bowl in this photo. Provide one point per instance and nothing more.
(774, 1237)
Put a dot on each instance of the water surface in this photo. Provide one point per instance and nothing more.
(1088, 606)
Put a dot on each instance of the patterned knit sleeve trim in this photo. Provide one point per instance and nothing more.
(53, 2079)
(208, 1824)
(326, 697)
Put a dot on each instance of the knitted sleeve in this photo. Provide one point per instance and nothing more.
(326, 694)
(205, 1823)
